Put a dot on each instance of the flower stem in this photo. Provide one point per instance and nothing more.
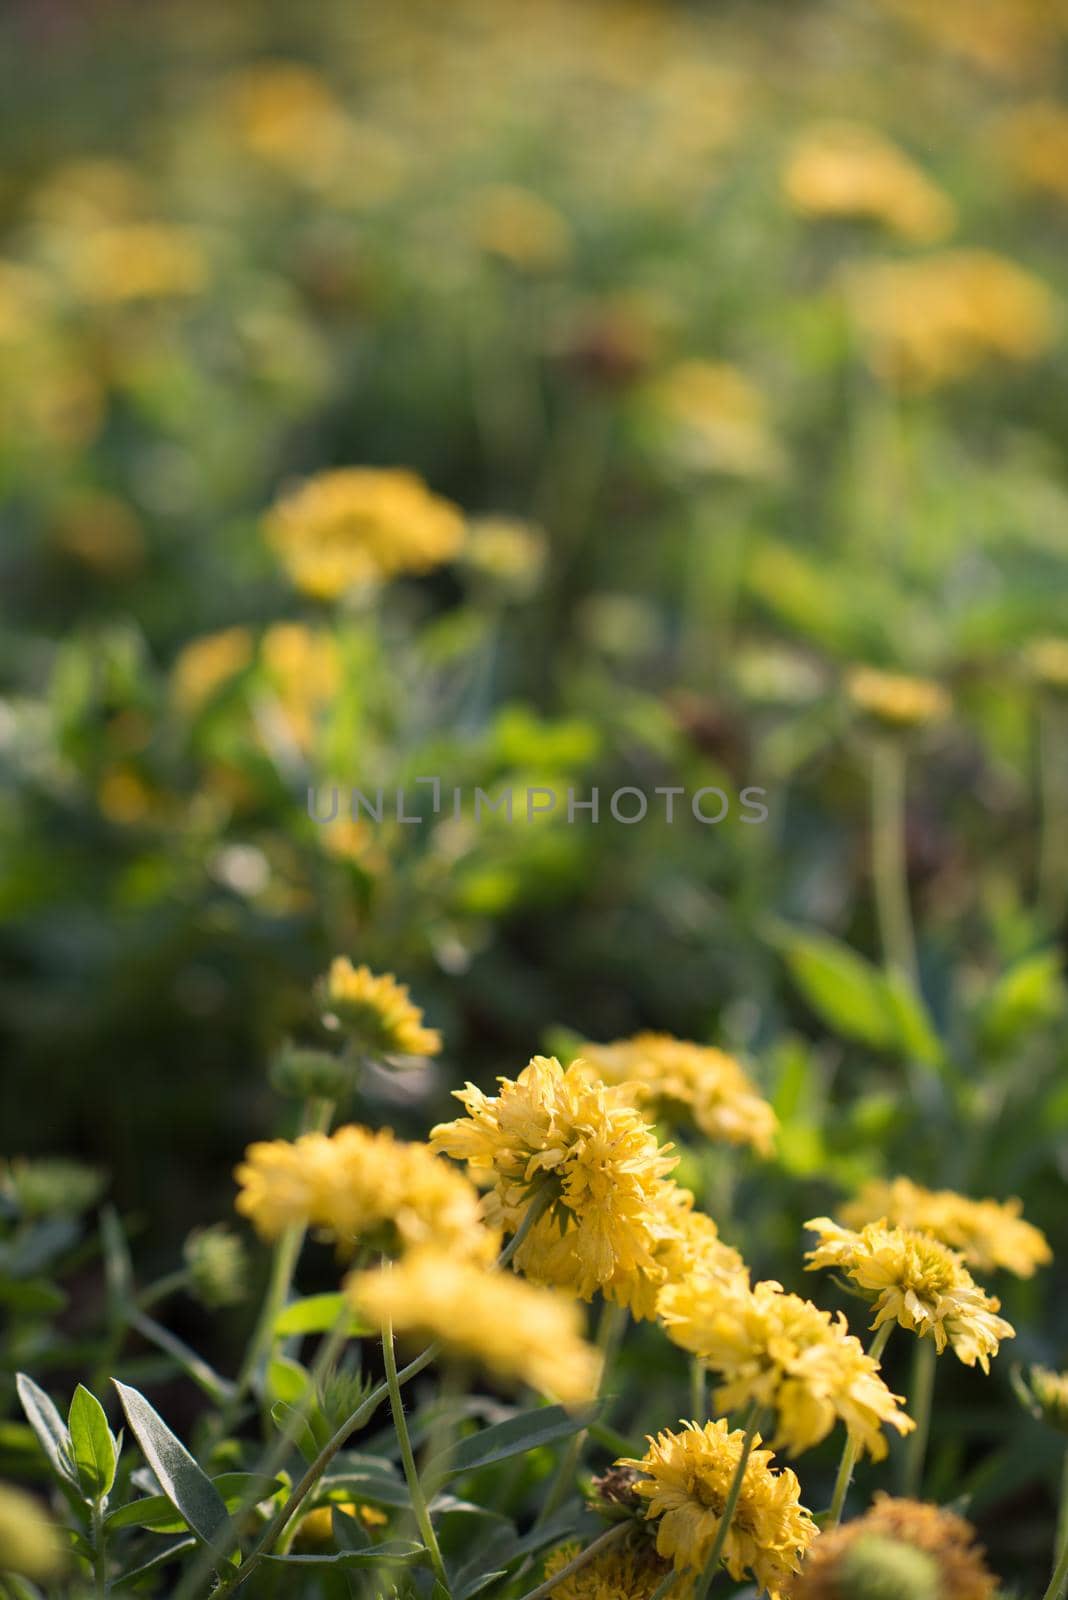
(411, 1471)
(1059, 1581)
(849, 1451)
(922, 1391)
(665, 1586)
(704, 1582)
(583, 1559)
(610, 1329)
(698, 1397)
(888, 865)
(1053, 790)
(535, 1210)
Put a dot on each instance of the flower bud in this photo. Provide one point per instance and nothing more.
(1045, 1394)
(878, 1568)
(310, 1074)
(218, 1266)
(52, 1187)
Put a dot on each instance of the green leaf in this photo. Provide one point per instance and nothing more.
(916, 1032)
(129, 1580)
(541, 1426)
(182, 1481)
(393, 1551)
(50, 1429)
(288, 1420)
(155, 1511)
(845, 990)
(319, 1313)
(92, 1445)
(1030, 993)
(378, 1488)
(287, 1380)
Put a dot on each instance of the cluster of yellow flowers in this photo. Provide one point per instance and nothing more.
(675, 1080)
(359, 526)
(988, 1233)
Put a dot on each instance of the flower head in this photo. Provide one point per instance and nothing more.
(1045, 1394)
(784, 1353)
(687, 1478)
(896, 701)
(713, 418)
(846, 169)
(988, 1233)
(360, 525)
(515, 1329)
(359, 1185)
(375, 1012)
(674, 1079)
(917, 1282)
(899, 1550)
(206, 664)
(566, 1130)
(631, 1570)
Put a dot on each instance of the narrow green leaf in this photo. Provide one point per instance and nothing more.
(392, 1551)
(91, 1443)
(182, 1481)
(49, 1427)
(319, 1313)
(155, 1511)
(129, 1580)
(917, 1036)
(541, 1426)
(288, 1420)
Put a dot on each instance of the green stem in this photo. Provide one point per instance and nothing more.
(1059, 1581)
(849, 1451)
(698, 1396)
(665, 1586)
(583, 1559)
(163, 1287)
(610, 1329)
(100, 1559)
(921, 1392)
(712, 1564)
(889, 875)
(535, 1210)
(1053, 825)
(411, 1471)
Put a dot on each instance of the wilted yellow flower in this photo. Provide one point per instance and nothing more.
(631, 1570)
(363, 1186)
(205, 664)
(847, 169)
(917, 1282)
(784, 1353)
(30, 1542)
(1034, 140)
(599, 1159)
(361, 525)
(713, 418)
(520, 226)
(688, 1476)
(934, 320)
(881, 1548)
(515, 1329)
(675, 1080)
(896, 700)
(137, 261)
(376, 1012)
(988, 1233)
(1047, 660)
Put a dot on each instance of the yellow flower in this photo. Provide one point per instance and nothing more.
(674, 1079)
(303, 667)
(287, 116)
(361, 525)
(988, 1233)
(714, 419)
(918, 1283)
(785, 1354)
(1034, 140)
(1045, 1394)
(881, 1542)
(205, 664)
(520, 227)
(683, 1241)
(137, 261)
(30, 1542)
(376, 1012)
(362, 1186)
(688, 1476)
(846, 169)
(316, 1530)
(1047, 660)
(626, 1571)
(934, 320)
(895, 700)
(516, 1330)
(564, 1129)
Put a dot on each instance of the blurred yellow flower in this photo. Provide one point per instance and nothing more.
(316, 1530)
(786, 1355)
(871, 1555)
(1047, 661)
(1034, 140)
(363, 1187)
(1005, 37)
(287, 116)
(598, 1159)
(713, 418)
(205, 664)
(988, 1233)
(1045, 1393)
(687, 1478)
(516, 1330)
(303, 667)
(676, 1080)
(508, 554)
(896, 700)
(917, 1282)
(937, 319)
(376, 1012)
(519, 226)
(137, 261)
(847, 169)
(101, 531)
(31, 1544)
(627, 1571)
(355, 526)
